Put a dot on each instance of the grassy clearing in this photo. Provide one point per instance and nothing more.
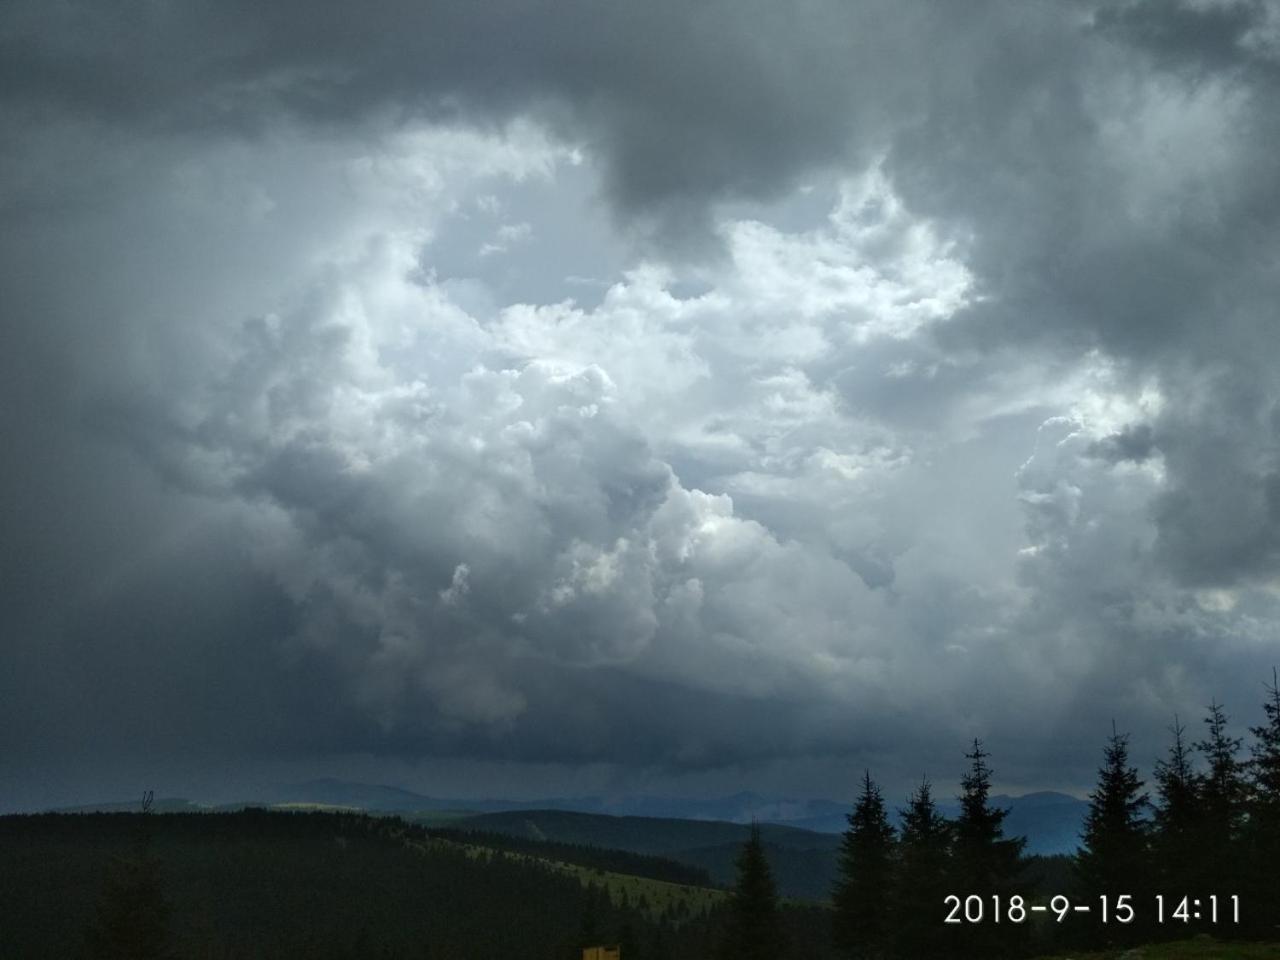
(658, 897)
(661, 896)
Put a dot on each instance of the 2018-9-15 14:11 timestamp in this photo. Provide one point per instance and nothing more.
(994, 908)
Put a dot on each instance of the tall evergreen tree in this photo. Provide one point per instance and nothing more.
(753, 928)
(1265, 765)
(1223, 790)
(1178, 815)
(863, 892)
(1263, 830)
(1113, 854)
(923, 850)
(1113, 857)
(984, 862)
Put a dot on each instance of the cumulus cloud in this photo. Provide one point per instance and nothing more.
(386, 459)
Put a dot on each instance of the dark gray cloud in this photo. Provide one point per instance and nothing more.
(1123, 203)
(1205, 37)
(990, 450)
(685, 104)
(1134, 443)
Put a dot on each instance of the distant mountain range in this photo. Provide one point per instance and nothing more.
(1051, 822)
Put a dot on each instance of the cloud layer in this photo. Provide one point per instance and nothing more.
(678, 390)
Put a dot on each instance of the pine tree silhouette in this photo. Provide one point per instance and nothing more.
(1178, 819)
(1113, 854)
(753, 928)
(1113, 857)
(1265, 765)
(985, 860)
(1222, 796)
(863, 893)
(1263, 830)
(923, 850)
(984, 863)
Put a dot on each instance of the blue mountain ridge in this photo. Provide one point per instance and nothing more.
(1050, 821)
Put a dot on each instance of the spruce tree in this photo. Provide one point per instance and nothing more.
(753, 928)
(923, 850)
(862, 897)
(1222, 796)
(1112, 859)
(984, 863)
(1264, 768)
(1177, 822)
(1263, 830)
(1113, 854)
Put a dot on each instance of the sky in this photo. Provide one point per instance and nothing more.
(544, 398)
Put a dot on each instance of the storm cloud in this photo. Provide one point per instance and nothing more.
(704, 394)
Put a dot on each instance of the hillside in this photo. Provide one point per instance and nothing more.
(804, 861)
(650, 835)
(261, 884)
(597, 858)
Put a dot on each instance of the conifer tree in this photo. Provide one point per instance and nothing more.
(1178, 816)
(984, 862)
(862, 897)
(753, 928)
(1113, 857)
(1264, 767)
(1222, 796)
(923, 850)
(1263, 830)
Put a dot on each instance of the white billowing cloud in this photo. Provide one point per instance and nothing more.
(673, 487)
(875, 267)
(448, 495)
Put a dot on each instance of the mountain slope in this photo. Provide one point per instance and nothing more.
(804, 862)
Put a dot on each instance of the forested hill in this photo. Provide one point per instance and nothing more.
(803, 861)
(260, 884)
(651, 835)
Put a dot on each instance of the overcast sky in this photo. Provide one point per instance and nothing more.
(532, 398)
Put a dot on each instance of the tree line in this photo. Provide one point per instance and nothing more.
(1202, 855)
